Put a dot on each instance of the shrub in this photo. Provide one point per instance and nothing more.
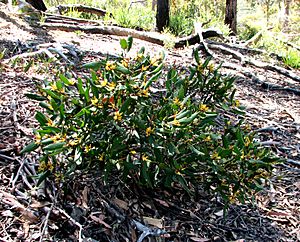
(119, 119)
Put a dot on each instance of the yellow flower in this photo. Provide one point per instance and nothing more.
(145, 68)
(149, 131)
(110, 65)
(139, 56)
(237, 103)
(200, 68)
(94, 101)
(247, 141)
(207, 139)
(103, 83)
(53, 87)
(87, 148)
(42, 167)
(175, 122)
(215, 156)
(111, 86)
(73, 142)
(203, 108)
(211, 67)
(145, 158)
(117, 116)
(176, 101)
(154, 61)
(101, 157)
(38, 138)
(72, 81)
(243, 155)
(125, 62)
(49, 122)
(133, 152)
(144, 93)
(56, 138)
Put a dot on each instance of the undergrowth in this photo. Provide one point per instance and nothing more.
(188, 131)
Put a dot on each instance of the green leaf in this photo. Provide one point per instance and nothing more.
(55, 146)
(28, 65)
(30, 147)
(153, 78)
(196, 56)
(157, 69)
(126, 105)
(51, 94)
(123, 44)
(42, 177)
(122, 69)
(93, 65)
(41, 118)
(189, 119)
(35, 97)
(196, 151)
(129, 43)
(183, 113)
(64, 79)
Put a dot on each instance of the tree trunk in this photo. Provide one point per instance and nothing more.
(287, 4)
(230, 15)
(162, 14)
(38, 4)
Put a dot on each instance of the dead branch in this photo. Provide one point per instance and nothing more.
(254, 39)
(199, 30)
(195, 39)
(270, 86)
(237, 55)
(152, 37)
(56, 17)
(278, 69)
(81, 8)
(73, 221)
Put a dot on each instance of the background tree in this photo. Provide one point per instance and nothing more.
(231, 15)
(38, 4)
(162, 14)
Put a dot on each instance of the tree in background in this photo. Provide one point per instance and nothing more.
(38, 4)
(231, 15)
(162, 14)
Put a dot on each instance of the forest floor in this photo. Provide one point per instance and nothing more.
(95, 212)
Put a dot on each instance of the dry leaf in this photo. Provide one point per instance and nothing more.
(161, 202)
(154, 222)
(85, 197)
(199, 239)
(220, 213)
(100, 221)
(120, 203)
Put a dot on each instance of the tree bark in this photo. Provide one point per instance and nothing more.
(38, 4)
(162, 14)
(231, 15)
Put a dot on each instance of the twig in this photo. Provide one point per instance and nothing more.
(147, 231)
(46, 219)
(18, 174)
(297, 163)
(74, 222)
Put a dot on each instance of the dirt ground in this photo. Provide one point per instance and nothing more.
(96, 212)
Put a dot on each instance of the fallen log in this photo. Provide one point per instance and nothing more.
(82, 8)
(152, 37)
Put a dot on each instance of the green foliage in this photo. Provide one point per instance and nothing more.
(119, 119)
(134, 17)
(292, 58)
